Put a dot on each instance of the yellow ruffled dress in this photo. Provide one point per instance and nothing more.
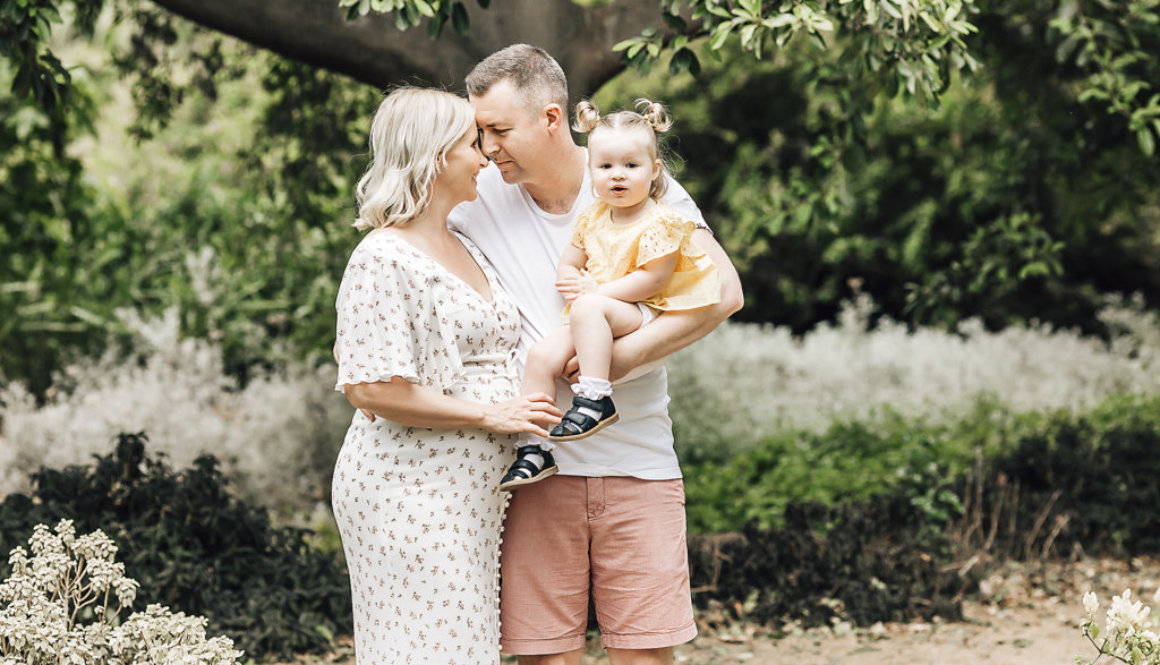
(614, 250)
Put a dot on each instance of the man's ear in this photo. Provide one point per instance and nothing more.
(555, 117)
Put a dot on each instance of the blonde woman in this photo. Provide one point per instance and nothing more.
(425, 349)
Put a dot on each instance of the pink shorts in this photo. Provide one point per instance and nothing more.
(625, 535)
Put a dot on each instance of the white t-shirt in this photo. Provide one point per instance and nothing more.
(524, 244)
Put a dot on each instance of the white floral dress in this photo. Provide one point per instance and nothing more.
(419, 510)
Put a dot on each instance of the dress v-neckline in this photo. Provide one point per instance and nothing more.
(437, 262)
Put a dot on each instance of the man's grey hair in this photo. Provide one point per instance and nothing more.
(536, 76)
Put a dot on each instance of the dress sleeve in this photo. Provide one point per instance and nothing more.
(581, 227)
(665, 234)
(388, 326)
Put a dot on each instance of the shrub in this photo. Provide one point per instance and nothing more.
(179, 391)
(864, 561)
(196, 547)
(746, 383)
(69, 580)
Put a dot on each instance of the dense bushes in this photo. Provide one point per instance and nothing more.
(194, 547)
(890, 544)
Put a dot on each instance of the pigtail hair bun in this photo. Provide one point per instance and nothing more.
(656, 115)
(587, 116)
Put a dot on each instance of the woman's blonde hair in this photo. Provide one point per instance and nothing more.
(651, 117)
(410, 136)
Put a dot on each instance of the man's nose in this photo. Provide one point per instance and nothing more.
(490, 145)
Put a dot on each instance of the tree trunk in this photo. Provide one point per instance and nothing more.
(372, 50)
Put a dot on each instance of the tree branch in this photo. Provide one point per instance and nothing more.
(372, 50)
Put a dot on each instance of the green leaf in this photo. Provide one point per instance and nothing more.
(675, 22)
(1147, 141)
(459, 20)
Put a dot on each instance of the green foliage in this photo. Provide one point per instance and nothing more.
(877, 559)
(908, 46)
(1095, 471)
(240, 223)
(194, 547)
(410, 13)
(821, 188)
(847, 462)
(1114, 45)
(1103, 467)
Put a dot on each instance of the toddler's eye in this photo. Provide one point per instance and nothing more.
(631, 165)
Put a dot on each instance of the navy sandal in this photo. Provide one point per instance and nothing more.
(523, 471)
(576, 425)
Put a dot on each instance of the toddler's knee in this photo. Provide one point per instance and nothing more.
(587, 305)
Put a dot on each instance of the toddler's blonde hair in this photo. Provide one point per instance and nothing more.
(651, 117)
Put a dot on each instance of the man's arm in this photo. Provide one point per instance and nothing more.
(673, 331)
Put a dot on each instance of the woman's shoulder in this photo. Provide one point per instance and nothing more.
(382, 251)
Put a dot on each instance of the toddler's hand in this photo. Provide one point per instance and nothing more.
(573, 287)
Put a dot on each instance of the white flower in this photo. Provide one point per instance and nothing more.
(37, 627)
(1090, 603)
(1128, 617)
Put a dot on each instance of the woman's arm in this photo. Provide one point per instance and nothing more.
(417, 406)
(673, 331)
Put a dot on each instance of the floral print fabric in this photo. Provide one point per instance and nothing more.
(419, 510)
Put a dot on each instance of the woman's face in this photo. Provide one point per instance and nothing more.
(464, 160)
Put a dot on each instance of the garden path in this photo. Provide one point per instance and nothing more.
(1024, 614)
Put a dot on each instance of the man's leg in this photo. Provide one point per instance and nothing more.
(570, 658)
(640, 569)
(640, 656)
(544, 570)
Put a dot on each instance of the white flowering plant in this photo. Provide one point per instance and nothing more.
(62, 605)
(1127, 635)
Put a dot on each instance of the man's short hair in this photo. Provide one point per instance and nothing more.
(536, 76)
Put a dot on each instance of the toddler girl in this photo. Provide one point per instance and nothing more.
(630, 258)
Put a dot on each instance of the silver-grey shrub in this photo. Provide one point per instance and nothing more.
(745, 382)
(278, 436)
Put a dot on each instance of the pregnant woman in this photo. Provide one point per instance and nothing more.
(425, 349)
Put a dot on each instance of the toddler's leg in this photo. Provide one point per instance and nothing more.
(596, 321)
(546, 360)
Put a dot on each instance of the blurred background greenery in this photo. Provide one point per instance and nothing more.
(194, 170)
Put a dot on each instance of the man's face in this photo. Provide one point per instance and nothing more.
(513, 135)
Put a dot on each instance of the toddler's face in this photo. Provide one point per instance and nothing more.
(622, 166)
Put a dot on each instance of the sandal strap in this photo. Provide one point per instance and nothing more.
(577, 422)
(524, 465)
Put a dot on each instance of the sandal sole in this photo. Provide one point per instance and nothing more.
(583, 435)
(520, 482)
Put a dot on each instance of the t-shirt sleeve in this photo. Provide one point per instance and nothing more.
(388, 326)
(678, 199)
(664, 235)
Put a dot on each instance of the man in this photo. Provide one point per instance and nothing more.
(613, 517)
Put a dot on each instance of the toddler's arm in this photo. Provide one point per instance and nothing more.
(644, 282)
(571, 280)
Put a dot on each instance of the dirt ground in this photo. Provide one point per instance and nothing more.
(1025, 614)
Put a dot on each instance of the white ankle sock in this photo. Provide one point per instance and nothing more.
(594, 389)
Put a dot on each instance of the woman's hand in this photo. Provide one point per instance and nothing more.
(531, 414)
(574, 287)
